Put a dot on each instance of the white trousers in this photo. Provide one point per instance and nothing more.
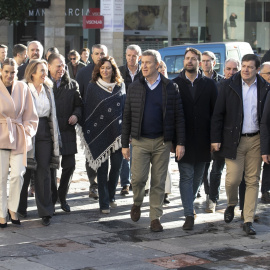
(17, 170)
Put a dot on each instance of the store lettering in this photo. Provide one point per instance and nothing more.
(94, 22)
(69, 12)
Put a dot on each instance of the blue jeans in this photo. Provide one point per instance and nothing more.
(191, 175)
(215, 176)
(125, 170)
(106, 189)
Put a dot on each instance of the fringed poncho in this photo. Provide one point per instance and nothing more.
(102, 124)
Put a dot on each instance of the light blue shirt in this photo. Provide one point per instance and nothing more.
(250, 122)
(155, 84)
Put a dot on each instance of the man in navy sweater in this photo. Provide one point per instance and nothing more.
(153, 117)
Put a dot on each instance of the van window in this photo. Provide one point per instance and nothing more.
(233, 54)
(174, 63)
(218, 61)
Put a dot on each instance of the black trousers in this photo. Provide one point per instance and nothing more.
(68, 167)
(24, 192)
(42, 175)
(265, 178)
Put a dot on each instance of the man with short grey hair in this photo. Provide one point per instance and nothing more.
(208, 64)
(130, 73)
(153, 117)
(34, 51)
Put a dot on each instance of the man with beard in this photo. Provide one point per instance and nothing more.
(34, 51)
(198, 95)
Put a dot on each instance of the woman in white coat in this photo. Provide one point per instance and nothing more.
(18, 124)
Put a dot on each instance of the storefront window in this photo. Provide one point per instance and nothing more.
(77, 37)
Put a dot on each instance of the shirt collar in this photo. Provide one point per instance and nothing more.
(136, 72)
(189, 79)
(157, 80)
(57, 82)
(245, 84)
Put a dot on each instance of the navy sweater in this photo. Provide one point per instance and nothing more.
(152, 122)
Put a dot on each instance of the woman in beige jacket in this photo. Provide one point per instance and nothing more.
(18, 124)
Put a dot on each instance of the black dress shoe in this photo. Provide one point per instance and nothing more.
(3, 225)
(248, 228)
(14, 221)
(65, 207)
(166, 199)
(46, 221)
(229, 214)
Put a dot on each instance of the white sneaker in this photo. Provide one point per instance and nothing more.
(113, 204)
(211, 207)
(105, 211)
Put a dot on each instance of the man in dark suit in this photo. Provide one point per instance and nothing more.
(198, 95)
(235, 134)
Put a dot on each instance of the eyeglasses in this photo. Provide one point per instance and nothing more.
(72, 58)
(267, 73)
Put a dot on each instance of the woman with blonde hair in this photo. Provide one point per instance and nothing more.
(18, 124)
(102, 128)
(46, 142)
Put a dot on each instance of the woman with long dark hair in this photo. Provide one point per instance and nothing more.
(102, 128)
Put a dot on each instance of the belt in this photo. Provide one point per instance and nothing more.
(250, 134)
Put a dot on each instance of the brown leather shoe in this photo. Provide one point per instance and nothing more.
(189, 223)
(156, 226)
(135, 212)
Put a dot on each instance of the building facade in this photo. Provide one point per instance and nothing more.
(150, 24)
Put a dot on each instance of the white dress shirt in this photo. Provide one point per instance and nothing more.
(250, 122)
(41, 101)
(133, 75)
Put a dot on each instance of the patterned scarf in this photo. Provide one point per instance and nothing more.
(102, 125)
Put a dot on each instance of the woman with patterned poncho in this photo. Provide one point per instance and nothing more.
(102, 128)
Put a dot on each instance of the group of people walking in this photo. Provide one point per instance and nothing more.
(133, 112)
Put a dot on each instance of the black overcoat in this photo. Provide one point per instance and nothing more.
(68, 102)
(198, 113)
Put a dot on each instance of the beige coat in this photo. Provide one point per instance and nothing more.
(18, 118)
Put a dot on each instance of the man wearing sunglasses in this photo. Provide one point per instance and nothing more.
(75, 64)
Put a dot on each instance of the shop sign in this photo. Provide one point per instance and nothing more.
(93, 22)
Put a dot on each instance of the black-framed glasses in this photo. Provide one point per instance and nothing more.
(71, 58)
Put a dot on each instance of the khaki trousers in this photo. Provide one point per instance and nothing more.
(144, 152)
(17, 171)
(248, 160)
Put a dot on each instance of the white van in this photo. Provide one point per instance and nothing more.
(173, 56)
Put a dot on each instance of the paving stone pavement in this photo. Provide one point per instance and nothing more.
(85, 239)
